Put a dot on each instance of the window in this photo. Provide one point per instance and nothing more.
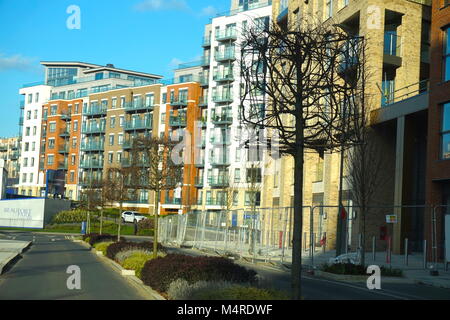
(237, 175)
(110, 157)
(28, 115)
(121, 121)
(53, 110)
(35, 114)
(30, 98)
(32, 162)
(25, 162)
(36, 97)
(122, 102)
(31, 177)
(27, 131)
(149, 99)
(34, 130)
(77, 107)
(51, 143)
(164, 98)
(163, 118)
(447, 54)
(112, 122)
(114, 103)
(74, 143)
(72, 178)
(52, 127)
(120, 139)
(446, 131)
(111, 139)
(50, 159)
(252, 198)
(24, 178)
(254, 175)
(33, 146)
(73, 159)
(27, 146)
(75, 126)
(329, 9)
(235, 198)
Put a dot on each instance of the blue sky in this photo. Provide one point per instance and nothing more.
(143, 35)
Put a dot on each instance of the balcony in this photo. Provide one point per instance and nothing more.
(179, 102)
(392, 50)
(91, 164)
(199, 182)
(226, 35)
(206, 42)
(222, 119)
(177, 121)
(95, 111)
(203, 102)
(220, 162)
(3, 148)
(199, 162)
(220, 140)
(65, 116)
(204, 81)
(14, 155)
(223, 98)
(139, 106)
(172, 201)
(92, 146)
(223, 77)
(215, 202)
(205, 61)
(64, 149)
(128, 162)
(220, 181)
(139, 125)
(99, 129)
(65, 132)
(225, 56)
(63, 165)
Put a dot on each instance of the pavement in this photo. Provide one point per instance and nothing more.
(10, 249)
(41, 273)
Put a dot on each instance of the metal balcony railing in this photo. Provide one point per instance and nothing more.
(139, 124)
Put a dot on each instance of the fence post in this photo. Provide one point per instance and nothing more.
(425, 249)
(406, 251)
(283, 240)
(304, 241)
(374, 243)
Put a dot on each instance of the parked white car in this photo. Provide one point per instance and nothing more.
(131, 216)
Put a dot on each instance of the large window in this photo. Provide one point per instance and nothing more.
(447, 54)
(446, 131)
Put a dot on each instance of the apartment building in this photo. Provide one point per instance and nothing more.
(397, 36)
(10, 152)
(438, 149)
(65, 96)
(225, 164)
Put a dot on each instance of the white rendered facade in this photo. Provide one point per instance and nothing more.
(225, 154)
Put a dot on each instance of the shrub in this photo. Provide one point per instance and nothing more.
(220, 290)
(95, 237)
(71, 216)
(102, 246)
(117, 247)
(121, 256)
(356, 269)
(146, 227)
(137, 261)
(159, 273)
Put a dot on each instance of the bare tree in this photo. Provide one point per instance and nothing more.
(121, 186)
(157, 171)
(91, 198)
(298, 86)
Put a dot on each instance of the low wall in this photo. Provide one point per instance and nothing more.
(30, 213)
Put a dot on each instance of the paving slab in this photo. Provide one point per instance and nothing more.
(9, 250)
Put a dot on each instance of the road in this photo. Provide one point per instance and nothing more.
(41, 273)
(321, 289)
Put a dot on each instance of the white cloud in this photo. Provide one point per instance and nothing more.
(174, 63)
(17, 63)
(160, 5)
(209, 11)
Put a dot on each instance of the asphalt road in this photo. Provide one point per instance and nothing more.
(41, 273)
(322, 289)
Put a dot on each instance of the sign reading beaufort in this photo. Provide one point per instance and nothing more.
(391, 218)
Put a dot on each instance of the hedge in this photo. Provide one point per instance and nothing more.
(161, 272)
(115, 248)
(95, 237)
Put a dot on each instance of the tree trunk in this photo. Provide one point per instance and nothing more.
(120, 221)
(101, 220)
(155, 228)
(298, 225)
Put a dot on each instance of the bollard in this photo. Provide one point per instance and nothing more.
(406, 251)
(374, 252)
(324, 243)
(425, 254)
(313, 248)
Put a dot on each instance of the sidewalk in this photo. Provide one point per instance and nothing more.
(9, 250)
(413, 272)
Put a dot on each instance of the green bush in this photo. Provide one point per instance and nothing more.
(137, 261)
(72, 216)
(160, 273)
(220, 290)
(102, 246)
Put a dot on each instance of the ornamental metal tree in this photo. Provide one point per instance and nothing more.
(300, 85)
